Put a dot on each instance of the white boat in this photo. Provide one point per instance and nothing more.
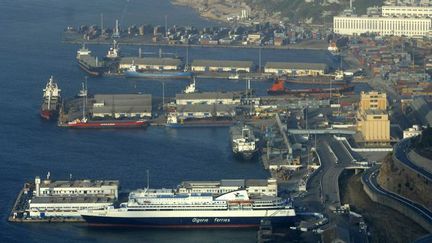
(114, 51)
(169, 208)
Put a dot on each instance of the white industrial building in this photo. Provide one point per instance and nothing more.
(382, 25)
(226, 98)
(413, 131)
(65, 206)
(150, 63)
(409, 11)
(296, 69)
(66, 198)
(200, 111)
(122, 106)
(221, 66)
(48, 188)
(253, 186)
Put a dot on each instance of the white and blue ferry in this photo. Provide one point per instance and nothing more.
(164, 208)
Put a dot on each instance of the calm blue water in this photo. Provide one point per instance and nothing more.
(31, 51)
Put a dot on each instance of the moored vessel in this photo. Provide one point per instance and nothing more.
(51, 100)
(162, 208)
(88, 63)
(85, 123)
(243, 141)
(278, 88)
(134, 72)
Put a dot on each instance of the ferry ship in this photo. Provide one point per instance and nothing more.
(134, 72)
(243, 141)
(88, 63)
(166, 208)
(51, 100)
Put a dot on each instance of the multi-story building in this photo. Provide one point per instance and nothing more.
(372, 101)
(67, 198)
(372, 117)
(374, 126)
(382, 25)
(409, 11)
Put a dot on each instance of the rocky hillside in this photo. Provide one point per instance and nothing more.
(397, 178)
(313, 11)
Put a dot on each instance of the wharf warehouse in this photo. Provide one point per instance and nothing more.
(122, 106)
(296, 69)
(253, 186)
(151, 63)
(199, 111)
(225, 98)
(66, 198)
(222, 66)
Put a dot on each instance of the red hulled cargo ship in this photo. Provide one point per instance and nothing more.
(51, 100)
(278, 88)
(84, 123)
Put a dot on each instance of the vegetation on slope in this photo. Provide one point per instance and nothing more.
(315, 10)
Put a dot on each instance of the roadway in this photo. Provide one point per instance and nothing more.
(401, 150)
(369, 177)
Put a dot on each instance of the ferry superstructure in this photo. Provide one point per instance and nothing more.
(244, 143)
(51, 100)
(163, 208)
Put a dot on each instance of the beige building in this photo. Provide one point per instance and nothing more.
(374, 126)
(372, 118)
(372, 101)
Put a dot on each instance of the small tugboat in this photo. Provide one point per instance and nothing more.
(191, 88)
(51, 100)
(114, 51)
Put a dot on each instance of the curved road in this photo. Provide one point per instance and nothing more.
(369, 177)
(401, 150)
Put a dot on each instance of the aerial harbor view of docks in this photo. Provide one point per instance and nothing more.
(278, 131)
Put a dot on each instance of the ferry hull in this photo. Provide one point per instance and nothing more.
(197, 124)
(107, 124)
(47, 114)
(167, 74)
(186, 222)
(244, 155)
(95, 72)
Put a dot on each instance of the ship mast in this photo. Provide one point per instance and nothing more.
(84, 106)
(49, 89)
